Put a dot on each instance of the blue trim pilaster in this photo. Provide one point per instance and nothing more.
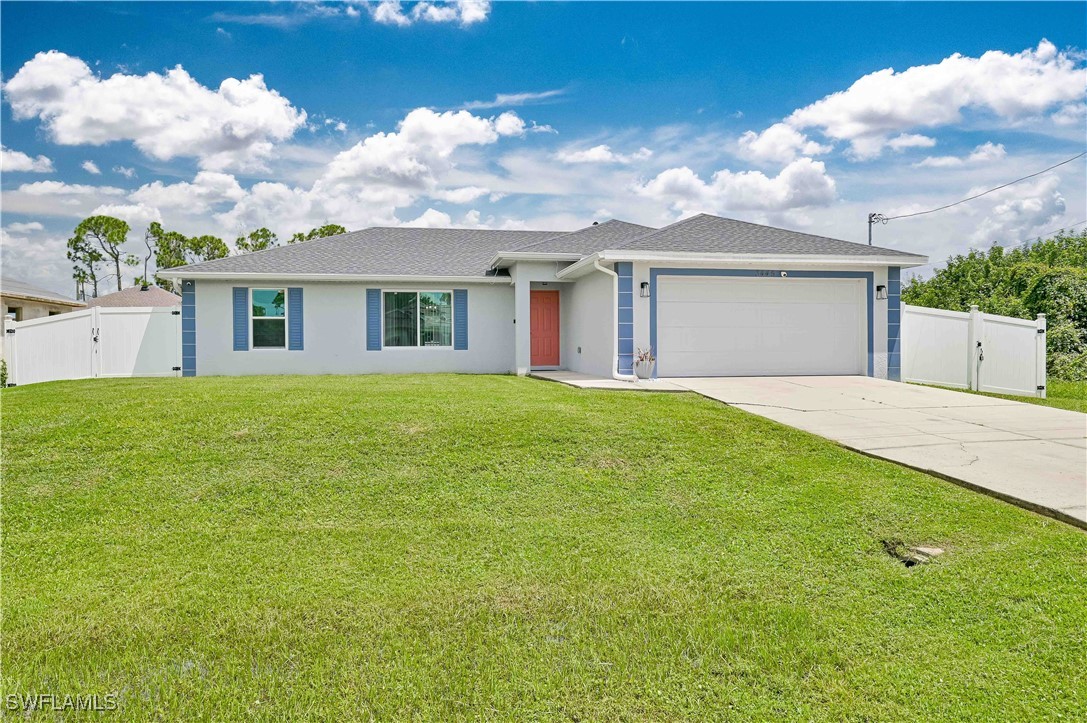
(894, 323)
(188, 328)
(625, 310)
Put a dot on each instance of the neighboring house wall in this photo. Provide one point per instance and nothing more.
(334, 330)
(30, 309)
(589, 324)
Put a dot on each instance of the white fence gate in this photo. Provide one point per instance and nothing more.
(97, 342)
(971, 350)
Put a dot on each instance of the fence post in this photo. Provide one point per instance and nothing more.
(973, 369)
(1040, 356)
(96, 333)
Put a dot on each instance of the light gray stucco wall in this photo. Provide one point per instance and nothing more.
(334, 317)
(590, 324)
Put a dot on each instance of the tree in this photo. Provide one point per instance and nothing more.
(173, 249)
(96, 239)
(258, 240)
(329, 229)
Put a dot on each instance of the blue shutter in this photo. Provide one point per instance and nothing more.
(460, 319)
(241, 318)
(294, 319)
(373, 320)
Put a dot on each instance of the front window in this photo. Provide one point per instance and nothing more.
(419, 318)
(269, 318)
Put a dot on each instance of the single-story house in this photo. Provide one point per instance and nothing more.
(23, 301)
(136, 296)
(710, 296)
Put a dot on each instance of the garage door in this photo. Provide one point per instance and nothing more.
(729, 326)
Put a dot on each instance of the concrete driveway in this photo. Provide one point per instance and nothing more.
(1032, 455)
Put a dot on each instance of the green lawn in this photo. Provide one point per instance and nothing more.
(1059, 394)
(452, 547)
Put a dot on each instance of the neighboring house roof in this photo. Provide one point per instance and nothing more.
(137, 296)
(15, 288)
(380, 251)
(474, 253)
(712, 234)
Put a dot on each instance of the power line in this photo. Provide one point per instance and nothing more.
(983, 193)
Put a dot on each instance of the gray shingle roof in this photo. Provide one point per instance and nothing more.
(608, 235)
(713, 234)
(17, 287)
(137, 296)
(382, 251)
(397, 251)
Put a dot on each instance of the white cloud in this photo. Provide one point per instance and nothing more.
(24, 227)
(125, 171)
(206, 190)
(779, 143)
(985, 153)
(1021, 211)
(165, 115)
(420, 148)
(509, 100)
(59, 188)
(136, 214)
(1071, 114)
(17, 161)
(29, 255)
(602, 154)
(461, 12)
(54, 198)
(802, 183)
(467, 194)
(91, 167)
(879, 109)
(431, 219)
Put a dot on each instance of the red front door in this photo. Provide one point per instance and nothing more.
(544, 317)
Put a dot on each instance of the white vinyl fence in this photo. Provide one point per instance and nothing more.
(97, 342)
(971, 350)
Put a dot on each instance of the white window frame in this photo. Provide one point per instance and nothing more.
(418, 326)
(252, 318)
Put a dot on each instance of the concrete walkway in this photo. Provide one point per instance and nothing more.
(1030, 455)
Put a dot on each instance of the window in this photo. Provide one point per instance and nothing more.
(419, 318)
(269, 318)
(15, 313)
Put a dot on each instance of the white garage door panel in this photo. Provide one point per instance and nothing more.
(743, 326)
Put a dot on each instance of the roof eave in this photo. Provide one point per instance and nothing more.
(504, 259)
(745, 260)
(42, 299)
(263, 276)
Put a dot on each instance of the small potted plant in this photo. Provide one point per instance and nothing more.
(644, 362)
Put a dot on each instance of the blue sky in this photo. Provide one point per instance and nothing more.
(540, 115)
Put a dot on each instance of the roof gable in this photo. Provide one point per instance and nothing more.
(705, 233)
(588, 240)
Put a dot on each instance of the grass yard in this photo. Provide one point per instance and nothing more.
(1059, 394)
(455, 547)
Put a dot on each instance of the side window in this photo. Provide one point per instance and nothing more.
(269, 307)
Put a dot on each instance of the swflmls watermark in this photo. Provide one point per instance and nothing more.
(56, 702)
